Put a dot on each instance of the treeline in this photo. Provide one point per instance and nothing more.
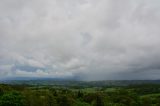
(23, 95)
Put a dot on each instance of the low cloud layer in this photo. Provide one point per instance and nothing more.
(86, 39)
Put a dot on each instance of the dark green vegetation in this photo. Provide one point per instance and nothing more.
(79, 94)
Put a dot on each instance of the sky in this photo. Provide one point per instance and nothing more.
(83, 39)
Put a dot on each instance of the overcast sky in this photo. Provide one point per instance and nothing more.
(84, 39)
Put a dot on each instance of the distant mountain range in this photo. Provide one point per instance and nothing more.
(74, 82)
(36, 78)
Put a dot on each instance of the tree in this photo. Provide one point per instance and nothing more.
(79, 94)
(146, 101)
(12, 99)
(50, 100)
(1, 91)
(99, 101)
(65, 101)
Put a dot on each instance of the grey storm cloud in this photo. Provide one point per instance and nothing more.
(88, 39)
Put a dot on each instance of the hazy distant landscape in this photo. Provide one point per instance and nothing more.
(72, 82)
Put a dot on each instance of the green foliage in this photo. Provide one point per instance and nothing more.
(1, 91)
(123, 97)
(63, 100)
(81, 103)
(146, 101)
(17, 95)
(80, 94)
(40, 98)
(12, 99)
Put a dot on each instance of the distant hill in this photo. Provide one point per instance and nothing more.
(75, 82)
